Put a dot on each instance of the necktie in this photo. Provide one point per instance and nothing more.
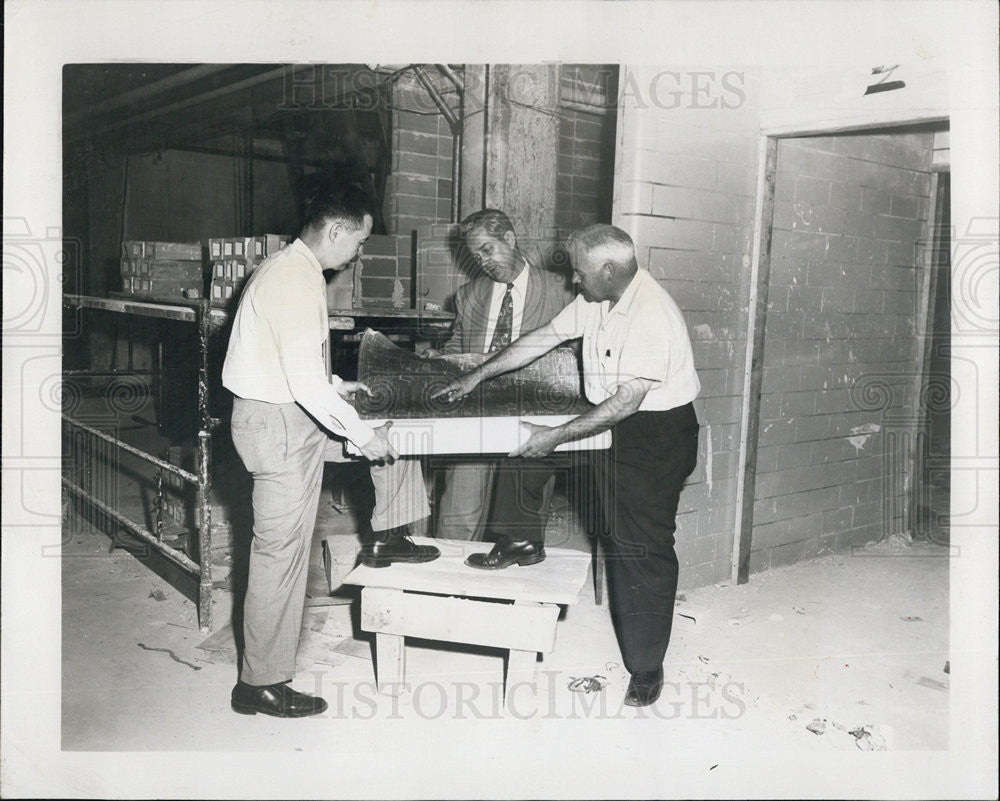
(505, 322)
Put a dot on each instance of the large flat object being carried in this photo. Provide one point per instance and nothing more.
(489, 420)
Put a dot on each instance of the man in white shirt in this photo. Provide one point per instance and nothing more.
(284, 406)
(514, 294)
(639, 371)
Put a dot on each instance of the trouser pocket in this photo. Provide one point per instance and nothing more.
(259, 435)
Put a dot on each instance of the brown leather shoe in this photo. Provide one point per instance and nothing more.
(279, 700)
(506, 553)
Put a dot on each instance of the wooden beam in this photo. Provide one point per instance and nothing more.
(146, 91)
(753, 367)
(271, 75)
(461, 620)
(931, 263)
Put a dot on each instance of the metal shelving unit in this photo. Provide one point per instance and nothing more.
(208, 320)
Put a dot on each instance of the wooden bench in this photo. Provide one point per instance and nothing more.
(516, 608)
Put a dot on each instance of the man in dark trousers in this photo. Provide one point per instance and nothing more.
(284, 410)
(514, 295)
(639, 371)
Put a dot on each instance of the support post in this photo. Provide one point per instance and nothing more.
(204, 472)
(753, 366)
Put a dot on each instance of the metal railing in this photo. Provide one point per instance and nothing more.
(201, 479)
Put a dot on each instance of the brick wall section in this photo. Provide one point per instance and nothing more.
(849, 218)
(685, 184)
(586, 149)
(418, 192)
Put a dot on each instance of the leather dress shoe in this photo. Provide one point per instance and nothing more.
(279, 700)
(506, 553)
(644, 687)
(395, 545)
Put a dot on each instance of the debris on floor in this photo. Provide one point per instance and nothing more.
(157, 594)
(818, 726)
(587, 684)
(911, 618)
(868, 739)
(171, 654)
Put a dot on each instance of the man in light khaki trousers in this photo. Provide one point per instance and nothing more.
(285, 409)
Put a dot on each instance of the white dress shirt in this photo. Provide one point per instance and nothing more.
(517, 294)
(642, 336)
(277, 348)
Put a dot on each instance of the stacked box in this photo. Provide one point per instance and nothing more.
(162, 270)
(234, 258)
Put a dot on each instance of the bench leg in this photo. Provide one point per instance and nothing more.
(520, 689)
(391, 655)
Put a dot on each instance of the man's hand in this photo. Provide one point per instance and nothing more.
(543, 440)
(379, 450)
(457, 389)
(346, 389)
(430, 353)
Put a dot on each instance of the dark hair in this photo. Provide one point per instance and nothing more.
(324, 198)
(492, 221)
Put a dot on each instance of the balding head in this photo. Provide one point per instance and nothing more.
(604, 261)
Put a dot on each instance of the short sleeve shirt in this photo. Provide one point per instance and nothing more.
(642, 336)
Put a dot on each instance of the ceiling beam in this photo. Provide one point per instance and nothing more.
(146, 91)
(204, 97)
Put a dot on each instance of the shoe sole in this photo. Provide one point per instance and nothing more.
(385, 561)
(244, 709)
(524, 562)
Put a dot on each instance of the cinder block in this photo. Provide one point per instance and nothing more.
(798, 404)
(799, 245)
(905, 206)
(413, 206)
(808, 429)
(735, 178)
(777, 432)
(694, 172)
(417, 123)
(731, 239)
(875, 201)
(417, 164)
(696, 550)
(845, 196)
(812, 191)
(768, 535)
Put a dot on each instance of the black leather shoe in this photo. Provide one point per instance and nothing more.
(644, 687)
(279, 700)
(395, 545)
(506, 553)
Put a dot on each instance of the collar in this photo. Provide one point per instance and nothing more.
(304, 250)
(520, 284)
(629, 295)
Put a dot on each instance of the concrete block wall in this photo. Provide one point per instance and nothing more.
(685, 178)
(419, 186)
(839, 358)
(586, 149)
(837, 403)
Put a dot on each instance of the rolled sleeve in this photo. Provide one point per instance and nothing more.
(570, 323)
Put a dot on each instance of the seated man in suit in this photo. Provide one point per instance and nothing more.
(514, 295)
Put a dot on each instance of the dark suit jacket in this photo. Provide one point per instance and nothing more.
(545, 297)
